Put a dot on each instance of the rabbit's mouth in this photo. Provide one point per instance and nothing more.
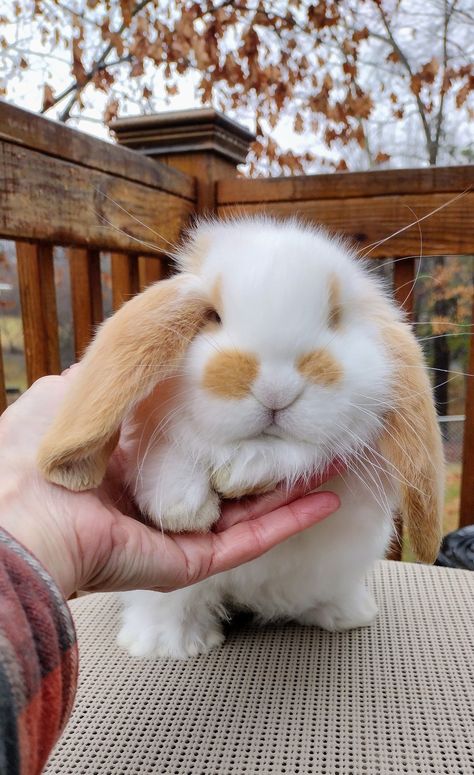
(274, 430)
(272, 426)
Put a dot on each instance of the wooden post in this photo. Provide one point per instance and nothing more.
(466, 515)
(201, 142)
(150, 270)
(38, 308)
(403, 285)
(86, 294)
(403, 291)
(125, 282)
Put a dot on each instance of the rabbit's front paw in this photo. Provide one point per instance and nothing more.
(184, 517)
(172, 641)
(181, 519)
(346, 614)
(228, 485)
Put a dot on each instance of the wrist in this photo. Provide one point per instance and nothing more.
(28, 521)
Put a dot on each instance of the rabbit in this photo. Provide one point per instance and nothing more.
(272, 352)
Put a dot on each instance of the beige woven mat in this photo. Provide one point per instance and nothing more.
(394, 698)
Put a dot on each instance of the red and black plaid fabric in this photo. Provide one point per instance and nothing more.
(38, 661)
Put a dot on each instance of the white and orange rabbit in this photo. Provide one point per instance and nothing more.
(271, 353)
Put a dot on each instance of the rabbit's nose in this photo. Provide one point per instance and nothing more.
(277, 386)
(276, 403)
(276, 397)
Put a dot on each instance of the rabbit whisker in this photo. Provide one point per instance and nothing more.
(375, 245)
(110, 225)
(137, 220)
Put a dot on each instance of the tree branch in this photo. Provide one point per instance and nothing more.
(65, 113)
(448, 12)
(82, 16)
(101, 64)
(403, 59)
(75, 88)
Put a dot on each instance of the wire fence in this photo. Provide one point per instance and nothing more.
(452, 431)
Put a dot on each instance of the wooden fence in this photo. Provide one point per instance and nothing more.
(61, 187)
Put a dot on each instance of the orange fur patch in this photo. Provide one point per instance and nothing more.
(230, 374)
(320, 367)
(335, 305)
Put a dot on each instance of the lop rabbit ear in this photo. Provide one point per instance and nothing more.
(411, 443)
(134, 350)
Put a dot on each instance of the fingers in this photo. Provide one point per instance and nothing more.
(250, 508)
(144, 558)
(247, 540)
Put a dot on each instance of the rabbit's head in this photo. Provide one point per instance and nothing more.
(275, 330)
(289, 349)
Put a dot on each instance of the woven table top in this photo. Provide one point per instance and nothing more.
(397, 697)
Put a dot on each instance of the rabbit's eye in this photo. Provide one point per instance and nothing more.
(335, 316)
(335, 306)
(214, 317)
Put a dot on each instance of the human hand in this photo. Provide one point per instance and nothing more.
(94, 540)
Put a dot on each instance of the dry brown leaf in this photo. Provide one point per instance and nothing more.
(298, 124)
(416, 84)
(111, 111)
(464, 92)
(359, 35)
(429, 71)
(48, 97)
(350, 68)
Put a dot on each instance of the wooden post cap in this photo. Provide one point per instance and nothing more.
(184, 131)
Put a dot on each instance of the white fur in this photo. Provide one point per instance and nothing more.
(274, 282)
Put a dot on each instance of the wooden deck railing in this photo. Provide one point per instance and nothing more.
(61, 187)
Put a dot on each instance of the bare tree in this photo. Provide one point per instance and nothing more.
(355, 78)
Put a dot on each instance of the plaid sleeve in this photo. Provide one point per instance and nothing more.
(38, 661)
